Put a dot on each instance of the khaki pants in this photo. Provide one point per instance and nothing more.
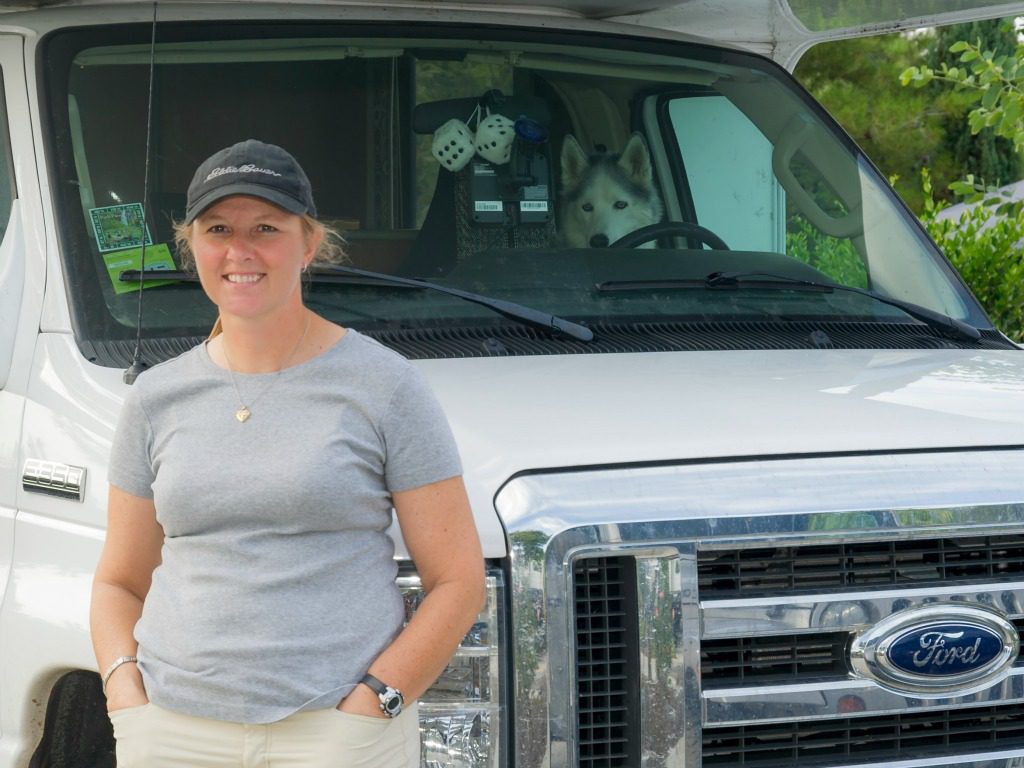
(151, 737)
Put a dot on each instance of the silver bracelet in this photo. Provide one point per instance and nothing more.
(114, 665)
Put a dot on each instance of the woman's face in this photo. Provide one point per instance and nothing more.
(249, 255)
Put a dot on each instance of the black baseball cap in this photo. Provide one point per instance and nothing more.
(250, 168)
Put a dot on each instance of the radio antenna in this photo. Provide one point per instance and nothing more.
(138, 366)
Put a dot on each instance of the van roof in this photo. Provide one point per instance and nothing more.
(782, 29)
(785, 29)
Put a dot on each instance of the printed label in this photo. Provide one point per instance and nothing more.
(488, 206)
(157, 257)
(534, 206)
(119, 226)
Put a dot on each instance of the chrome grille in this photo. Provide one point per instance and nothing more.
(867, 740)
(787, 658)
(605, 604)
(820, 567)
(745, 667)
(748, 660)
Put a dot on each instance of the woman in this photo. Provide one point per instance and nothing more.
(244, 609)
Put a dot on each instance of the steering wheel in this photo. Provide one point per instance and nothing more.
(662, 228)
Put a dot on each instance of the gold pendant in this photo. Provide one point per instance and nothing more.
(243, 414)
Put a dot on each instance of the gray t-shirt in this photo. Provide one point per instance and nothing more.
(276, 588)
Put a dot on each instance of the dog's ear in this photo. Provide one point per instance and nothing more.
(574, 162)
(635, 160)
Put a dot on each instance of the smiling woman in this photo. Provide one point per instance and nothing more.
(250, 255)
(276, 576)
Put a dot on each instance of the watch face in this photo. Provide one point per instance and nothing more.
(391, 702)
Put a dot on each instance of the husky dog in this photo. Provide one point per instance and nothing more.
(606, 196)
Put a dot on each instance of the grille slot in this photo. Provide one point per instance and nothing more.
(807, 568)
(606, 662)
(782, 658)
(866, 739)
(793, 658)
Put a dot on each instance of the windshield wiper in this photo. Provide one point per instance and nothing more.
(509, 309)
(134, 275)
(937, 320)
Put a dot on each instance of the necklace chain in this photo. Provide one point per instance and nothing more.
(244, 411)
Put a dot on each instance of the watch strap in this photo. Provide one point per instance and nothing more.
(391, 699)
(374, 684)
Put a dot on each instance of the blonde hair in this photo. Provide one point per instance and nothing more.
(331, 249)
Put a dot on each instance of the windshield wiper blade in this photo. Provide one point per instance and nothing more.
(509, 309)
(134, 275)
(937, 320)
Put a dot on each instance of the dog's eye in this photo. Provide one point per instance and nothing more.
(588, 207)
(620, 204)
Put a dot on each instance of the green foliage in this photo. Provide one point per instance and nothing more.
(985, 243)
(901, 131)
(836, 257)
(987, 249)
(984, 155)
(995, 83)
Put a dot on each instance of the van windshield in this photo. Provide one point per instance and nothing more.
(599, 179)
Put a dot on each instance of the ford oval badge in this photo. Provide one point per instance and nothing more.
(945, 648)
(937, 649)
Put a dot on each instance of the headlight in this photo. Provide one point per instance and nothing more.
(462, 716)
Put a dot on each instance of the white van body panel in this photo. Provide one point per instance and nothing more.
(668, 407)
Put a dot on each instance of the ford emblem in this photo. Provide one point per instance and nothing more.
(937, 649)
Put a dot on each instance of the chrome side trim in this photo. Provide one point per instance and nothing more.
(669, 653)
(53, 478)
(796, 703)
(853, 611)
(1003, 758)
(758, 498)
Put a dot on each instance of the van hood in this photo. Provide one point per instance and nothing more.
(512, 415)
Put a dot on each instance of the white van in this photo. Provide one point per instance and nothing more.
(749, 479)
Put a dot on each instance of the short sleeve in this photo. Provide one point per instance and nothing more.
(418, 442)
(131, 466)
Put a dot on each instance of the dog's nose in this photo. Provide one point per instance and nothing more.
(599, 241)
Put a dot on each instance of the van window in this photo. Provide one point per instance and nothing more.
(573, 143)
(8, 188)
(728, 163)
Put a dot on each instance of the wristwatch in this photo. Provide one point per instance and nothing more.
(391, 699)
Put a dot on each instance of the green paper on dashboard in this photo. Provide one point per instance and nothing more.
(157, 257)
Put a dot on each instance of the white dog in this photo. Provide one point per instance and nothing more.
(606, 196)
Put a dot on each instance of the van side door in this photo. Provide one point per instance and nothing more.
(22, 281)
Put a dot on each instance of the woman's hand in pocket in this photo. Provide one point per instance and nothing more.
(362, 701)
(125, 689)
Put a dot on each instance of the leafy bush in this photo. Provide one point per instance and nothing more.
(994, 81)
(986, 243)
(834, 256)
(987, 249)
